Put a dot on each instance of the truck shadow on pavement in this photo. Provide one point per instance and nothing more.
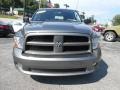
(100, 73)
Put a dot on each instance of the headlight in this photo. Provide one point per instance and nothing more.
(17, 43)
(18, 40)
(95, 42)
(95, 45)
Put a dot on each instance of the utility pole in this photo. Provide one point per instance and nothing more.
(24, 4)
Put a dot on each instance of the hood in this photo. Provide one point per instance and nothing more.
(57, 27)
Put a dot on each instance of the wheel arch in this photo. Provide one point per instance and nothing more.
(110, 31)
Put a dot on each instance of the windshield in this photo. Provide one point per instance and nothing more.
(56, 15)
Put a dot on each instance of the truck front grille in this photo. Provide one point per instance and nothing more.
(57, 44)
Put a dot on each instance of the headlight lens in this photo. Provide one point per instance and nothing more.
(18, 40)
(95, 42)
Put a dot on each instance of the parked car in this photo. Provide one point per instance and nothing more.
(5, 29)
(111, 33)
(98, 28)
(56, 43)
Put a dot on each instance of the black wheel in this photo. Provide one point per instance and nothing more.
(110, 36)
(5, 35)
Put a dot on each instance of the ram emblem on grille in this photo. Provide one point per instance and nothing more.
(59, 44)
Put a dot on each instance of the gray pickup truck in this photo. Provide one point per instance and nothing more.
(56, 43)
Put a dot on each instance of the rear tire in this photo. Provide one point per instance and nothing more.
(110, 36)
(5, 35)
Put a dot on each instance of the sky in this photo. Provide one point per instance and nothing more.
(103, 10)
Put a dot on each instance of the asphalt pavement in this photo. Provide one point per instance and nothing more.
(107, 77)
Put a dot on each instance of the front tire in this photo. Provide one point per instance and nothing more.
(110, 36)
(5, 35)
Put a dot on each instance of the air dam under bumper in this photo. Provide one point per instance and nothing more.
(84, 64)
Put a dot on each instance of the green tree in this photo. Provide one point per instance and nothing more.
(43, 4)
(1, 3)
(56, 5)
(31, 6)
(7, 3)
(18, 3)
(116, 20)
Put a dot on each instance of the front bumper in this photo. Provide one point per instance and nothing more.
(62, 66)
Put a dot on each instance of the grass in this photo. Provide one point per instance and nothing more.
(7, 16)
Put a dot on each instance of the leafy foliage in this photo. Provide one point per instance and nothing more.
(6, 3)
(18, 3)
(43, 3)
(116, 20)
(31, 4)
(56, 5)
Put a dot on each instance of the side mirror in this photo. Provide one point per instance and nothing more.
(26, 19)
(87, 21)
